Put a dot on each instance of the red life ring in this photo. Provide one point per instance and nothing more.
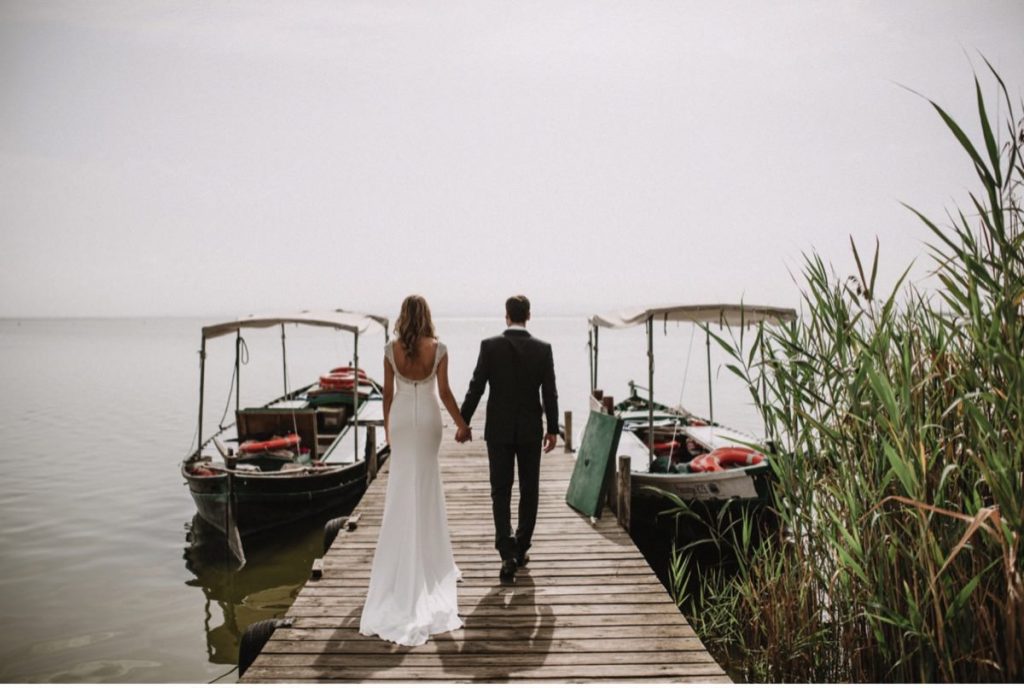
(724, 458)
(270, 445)
(670, 447)
(338, 381)
(705, 463)
(731, 457)
(350, 370)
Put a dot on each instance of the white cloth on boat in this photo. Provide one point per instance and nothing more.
(412, 592)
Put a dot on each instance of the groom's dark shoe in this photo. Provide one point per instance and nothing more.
(508, 571)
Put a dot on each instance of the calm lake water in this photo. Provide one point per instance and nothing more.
(104, 577)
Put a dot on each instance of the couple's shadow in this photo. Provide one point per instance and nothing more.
(506, 632)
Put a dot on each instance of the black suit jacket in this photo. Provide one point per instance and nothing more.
(515, 365)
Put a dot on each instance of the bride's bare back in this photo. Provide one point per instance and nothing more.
(422, 365)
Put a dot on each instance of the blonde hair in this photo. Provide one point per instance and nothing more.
(413, 322)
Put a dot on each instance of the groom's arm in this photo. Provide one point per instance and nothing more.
(549, 393)
(476, 387)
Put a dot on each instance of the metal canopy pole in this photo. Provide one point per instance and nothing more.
(707, 342)
(590, 356)
(355, 398)
(596, 333)
(202, 379)
(284, 362)
(650, 390)
(238, 370)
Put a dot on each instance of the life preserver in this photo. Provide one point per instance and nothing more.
(348, 369)
(338, 381)
(731, 457)
(670, 447)
(724, 458)
(704, 463)
(270, 445)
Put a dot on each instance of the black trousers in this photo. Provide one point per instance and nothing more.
(503, 459)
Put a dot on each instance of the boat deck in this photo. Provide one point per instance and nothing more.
(587, 608)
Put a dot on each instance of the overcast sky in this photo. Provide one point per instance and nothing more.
(209, 158)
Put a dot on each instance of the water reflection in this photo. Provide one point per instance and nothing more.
(277, 565)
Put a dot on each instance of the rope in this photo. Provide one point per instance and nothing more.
(686, 370)
(287, 387)
(193, 442)
(243, 358)
(223, 675)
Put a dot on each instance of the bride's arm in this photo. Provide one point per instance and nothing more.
(389, 396)
(445, 391)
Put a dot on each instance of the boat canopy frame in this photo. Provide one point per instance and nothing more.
(338, 319)
(725, 315)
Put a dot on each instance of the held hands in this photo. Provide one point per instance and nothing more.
(464, 434)
(549, 442)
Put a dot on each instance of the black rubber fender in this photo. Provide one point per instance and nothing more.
(254, 638)
(331, 530)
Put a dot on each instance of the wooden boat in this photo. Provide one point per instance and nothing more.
(298, 455)
(670, 448)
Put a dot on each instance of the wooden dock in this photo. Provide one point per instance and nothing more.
(587, 607)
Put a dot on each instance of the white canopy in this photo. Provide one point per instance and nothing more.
(337, 319)
(723, 314)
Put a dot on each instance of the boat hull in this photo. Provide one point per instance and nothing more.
(263, 502)
(739, 484)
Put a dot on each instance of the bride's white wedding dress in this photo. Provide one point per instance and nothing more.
(412, 590)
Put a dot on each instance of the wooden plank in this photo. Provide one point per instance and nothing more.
(470, 660)
(443, 645)
(588, 608)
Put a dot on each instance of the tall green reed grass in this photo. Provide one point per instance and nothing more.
(899, 428)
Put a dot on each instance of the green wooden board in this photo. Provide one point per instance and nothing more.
(594, 464)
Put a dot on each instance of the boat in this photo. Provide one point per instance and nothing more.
(298, 455)
(672, 450)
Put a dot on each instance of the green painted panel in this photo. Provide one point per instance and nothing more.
(594, 464)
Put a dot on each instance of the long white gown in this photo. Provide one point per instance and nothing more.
(412, 591)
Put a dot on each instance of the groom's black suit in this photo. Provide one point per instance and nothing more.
(515, 365)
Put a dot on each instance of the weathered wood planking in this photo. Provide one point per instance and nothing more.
(587, 609)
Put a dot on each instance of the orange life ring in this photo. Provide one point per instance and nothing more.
(270, 445)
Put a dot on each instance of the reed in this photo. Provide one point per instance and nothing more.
(899, 453)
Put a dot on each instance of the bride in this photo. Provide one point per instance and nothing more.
(412, 582)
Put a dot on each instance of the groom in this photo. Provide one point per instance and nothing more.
(516, 365)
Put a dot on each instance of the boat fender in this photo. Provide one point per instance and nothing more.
(331, 530)
(202, 470)
(254, 638)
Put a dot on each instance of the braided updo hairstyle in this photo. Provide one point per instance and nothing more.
(413, 322)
